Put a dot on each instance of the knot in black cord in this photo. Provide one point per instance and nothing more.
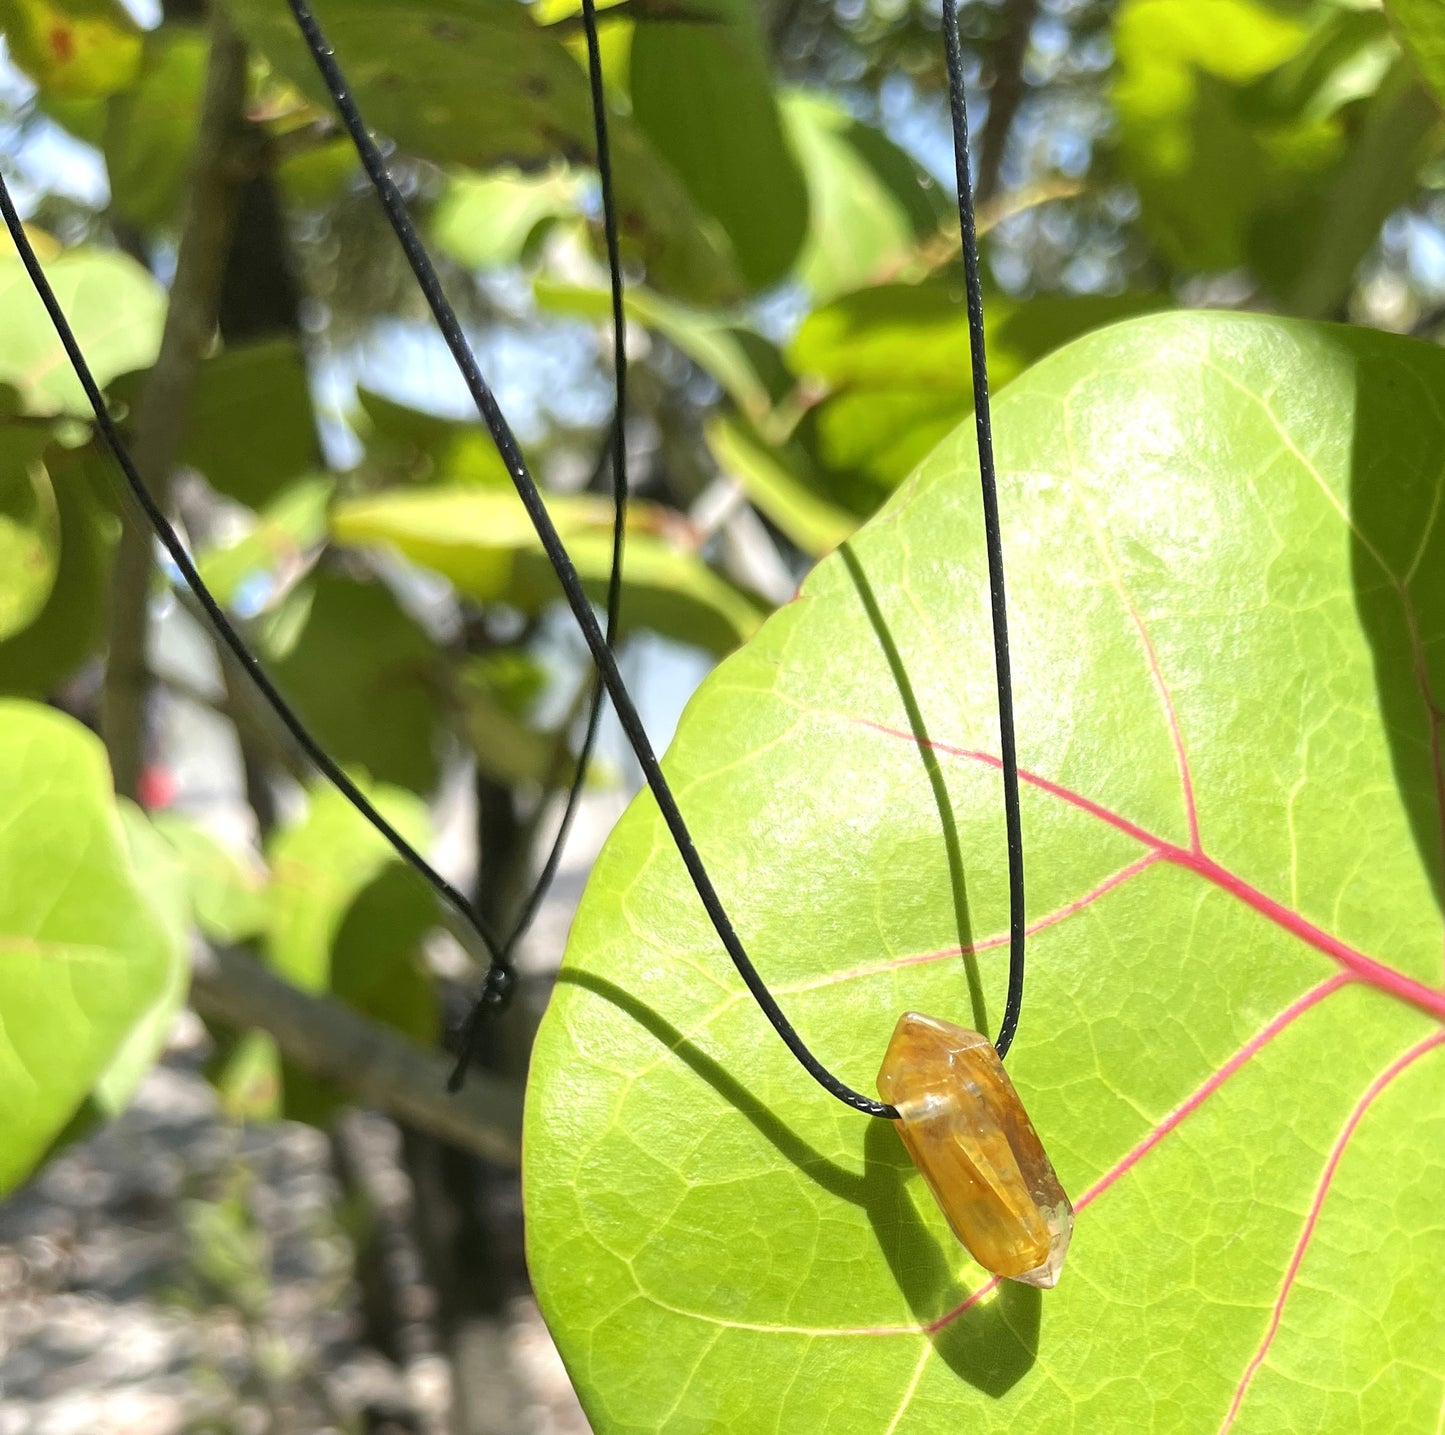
(493, 999)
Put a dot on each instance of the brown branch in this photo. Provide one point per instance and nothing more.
(1005, 94)
(379, 1066)
(190, 327)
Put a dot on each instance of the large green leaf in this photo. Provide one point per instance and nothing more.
(1227, 592)
(114, 306)
(702, 94)
(85, 951)
(483, 541)
(478, 83)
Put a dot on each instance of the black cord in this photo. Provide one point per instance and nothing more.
(495, 987)
(567, 575)
(1013, 1002)
(213, 610)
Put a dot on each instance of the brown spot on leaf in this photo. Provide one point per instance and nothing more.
(62, 42)
(536, 86)
(448, 32)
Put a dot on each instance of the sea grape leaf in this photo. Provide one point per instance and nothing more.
(745, 364)
(251, 429)
(366, 675)
(114, 306)
(249, 571)
(29, 528)
(345, 918)
(1227, 604)
(809, 518)
(868, 206)
(890, 369)
(319, 866)
(73, 49)
(483, 541)
(479, 83)
(225, 890)
(487, 220)
(87, 953)
(1243, 124)
(702, 93)
(406, 444)
(67, 628)
(150, 129)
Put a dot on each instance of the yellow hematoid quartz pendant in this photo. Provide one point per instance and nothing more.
(968, 1133)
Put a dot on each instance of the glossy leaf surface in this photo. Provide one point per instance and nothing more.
(1227, 584)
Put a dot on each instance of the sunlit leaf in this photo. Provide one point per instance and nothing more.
(115, 307)
(486, 221)
(812, 521)
(868, 206)
(68, 627)
(747, 367)
(319, 867)
(484, 543)
(1227, 604)
(72, 49)
(86, 951)
(225, 890)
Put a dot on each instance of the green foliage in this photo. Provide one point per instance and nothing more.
(702, 93)
(488, 221)
(483, 85)
(29, 528)
(867, 207)
(114, 306)
(1227, 602)
(370, 702)
(1268, 135)
(66, 629)
(74, 49)
(89, 950)
(251, 430)
(150, 128)
(484, 543)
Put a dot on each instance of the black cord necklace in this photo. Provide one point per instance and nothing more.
(945, 1086)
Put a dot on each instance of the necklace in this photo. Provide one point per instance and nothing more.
(944, 1086)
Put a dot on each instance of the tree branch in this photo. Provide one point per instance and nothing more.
(379, 1066)
(1005, 95)
(190, 327)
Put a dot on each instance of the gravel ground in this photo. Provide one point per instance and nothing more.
(176, 1272)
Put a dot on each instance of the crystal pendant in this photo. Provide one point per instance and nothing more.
(968, 1133)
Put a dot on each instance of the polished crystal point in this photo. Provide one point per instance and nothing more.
(968, 1133)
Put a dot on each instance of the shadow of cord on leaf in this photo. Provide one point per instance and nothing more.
(992, 1343)
(948, 827)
